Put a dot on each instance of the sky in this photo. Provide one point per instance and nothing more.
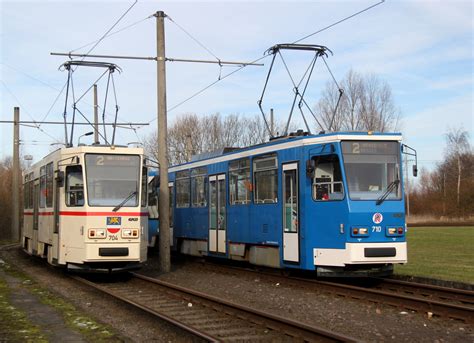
(422, 49)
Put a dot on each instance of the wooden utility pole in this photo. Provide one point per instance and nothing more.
(15, 229)
(161, 59)
(163, 201)
(96, 117)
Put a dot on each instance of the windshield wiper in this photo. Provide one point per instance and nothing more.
(116, 208)
(389, 190)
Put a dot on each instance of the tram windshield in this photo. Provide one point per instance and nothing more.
(372, 169)
(112, 179)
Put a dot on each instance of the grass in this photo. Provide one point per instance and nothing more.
(23, 330)
(445, 253)
(14, 325)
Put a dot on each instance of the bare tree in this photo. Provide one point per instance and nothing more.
(449, 188)
(326, 108)
(457, 144)
(191, 134)
(367, 104)
(352, 101)
(6, 173)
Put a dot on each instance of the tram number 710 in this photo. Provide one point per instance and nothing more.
(376, 229)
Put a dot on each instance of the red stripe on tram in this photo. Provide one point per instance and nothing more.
(115, 214)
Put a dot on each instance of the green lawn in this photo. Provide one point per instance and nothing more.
(441, 253)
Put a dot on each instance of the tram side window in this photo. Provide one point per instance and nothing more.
(144, 186)
(152, 199)
(198, 187)
(327, 180)
(182, 189)
(30, 191)
(240, 185)
(26, 192)
(42, 203)
(266, 179)
(49, 184)
(74, 186)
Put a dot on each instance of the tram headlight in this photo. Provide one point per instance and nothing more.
(96, 233)
(130, 233)
(359, 231)
(395, 231)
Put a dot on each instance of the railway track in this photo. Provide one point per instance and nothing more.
(434, 301)
(208, 317)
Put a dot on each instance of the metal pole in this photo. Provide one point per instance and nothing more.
(25, 122)
(15, 229)
(147, 58)
(163, 202)
(272, 127)
(96, 117)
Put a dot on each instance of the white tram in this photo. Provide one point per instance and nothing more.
(85, 208)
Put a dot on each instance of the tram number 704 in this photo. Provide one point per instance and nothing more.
(113, 238)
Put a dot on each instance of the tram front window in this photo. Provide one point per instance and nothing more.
(372, 168)
(112, 179)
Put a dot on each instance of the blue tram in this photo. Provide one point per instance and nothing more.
(331, 203)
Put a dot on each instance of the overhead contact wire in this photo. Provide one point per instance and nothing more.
(339, 21)
(113, 33)
(259, 59)
(111, 28)
(194, 39)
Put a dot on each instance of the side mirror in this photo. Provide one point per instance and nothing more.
(415, 170)
(310, 167)
(156, 182)
(60, 178)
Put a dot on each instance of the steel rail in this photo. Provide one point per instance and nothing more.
(158, 304)
(416, 303)
(437, 308)
(149, 310)
(10, 246)
(288, 322)
(463, 296)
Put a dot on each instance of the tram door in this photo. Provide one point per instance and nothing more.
(290, 213)
(217, 214)
(35, 206)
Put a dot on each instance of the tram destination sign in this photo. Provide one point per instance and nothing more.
(112, 160)
(369, 148)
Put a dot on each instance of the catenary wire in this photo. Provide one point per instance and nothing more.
(40, 123)
(113, 33)
(209, 86)
(240, 68)
(28, 113)
(193, 38)
(339, 21)
(96, 43)
(110, 29)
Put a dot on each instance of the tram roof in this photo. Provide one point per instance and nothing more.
(96, 149)
(281, 143)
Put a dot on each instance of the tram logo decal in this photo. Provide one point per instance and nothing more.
(113, 225)
(114, 221)
(377, 218)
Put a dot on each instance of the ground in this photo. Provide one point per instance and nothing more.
(362, 319)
